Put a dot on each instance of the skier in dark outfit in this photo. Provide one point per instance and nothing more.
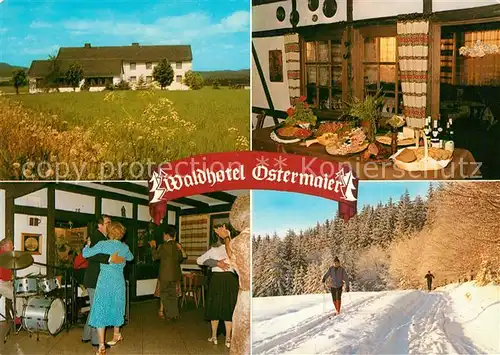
(338, 277)
(429, 278)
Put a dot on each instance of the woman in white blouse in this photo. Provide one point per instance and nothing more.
(222, 290)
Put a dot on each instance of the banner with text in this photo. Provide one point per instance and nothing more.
(252, 171)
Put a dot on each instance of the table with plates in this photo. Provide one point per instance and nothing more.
(462, 166)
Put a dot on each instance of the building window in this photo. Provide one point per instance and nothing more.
(178, 78)
(457, 69)
(178, 65)
(133, 79)
(132, 66)
(149, 65)
(323, 74)
(380, 68)
(149, 79)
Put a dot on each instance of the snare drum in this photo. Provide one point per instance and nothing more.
(47, 285)
(26, 287)
(44, 315)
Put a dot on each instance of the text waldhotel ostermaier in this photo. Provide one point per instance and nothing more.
(176, 182)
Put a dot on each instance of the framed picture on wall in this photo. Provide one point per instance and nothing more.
(32, 243)
(276, 66)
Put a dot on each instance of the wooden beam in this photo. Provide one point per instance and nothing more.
(9, 215)
(434, 75)
(98, 206)
(191, 202)
(221, 196)
(51, 228)
(467, 15)
(84, 190)
(127, 186)
(19, 189)
(270, 113)
(264, 2)
(427, 7)
(349, 39)
(212, 209)
(263, 80)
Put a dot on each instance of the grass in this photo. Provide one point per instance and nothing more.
(12, 90)
(130, 126)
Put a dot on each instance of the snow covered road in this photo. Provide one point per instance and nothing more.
(392, 322)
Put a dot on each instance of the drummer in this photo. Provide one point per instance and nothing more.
(6, 288)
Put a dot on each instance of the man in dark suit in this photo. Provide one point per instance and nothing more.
(171, 255)
(92, 273)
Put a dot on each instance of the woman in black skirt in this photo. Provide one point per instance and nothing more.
(222, 290)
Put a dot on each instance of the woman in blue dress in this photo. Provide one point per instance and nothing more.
(109, 300)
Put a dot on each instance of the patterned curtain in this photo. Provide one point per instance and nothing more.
(413, 49)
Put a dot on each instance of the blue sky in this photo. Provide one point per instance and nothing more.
(218, 30)
(279, 211)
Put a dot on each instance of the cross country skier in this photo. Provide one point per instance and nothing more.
(338, 277)
(429, 278)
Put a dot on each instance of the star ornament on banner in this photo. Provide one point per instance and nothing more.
(347, 184)
(156, 188)
(280, 162)
(262, 161)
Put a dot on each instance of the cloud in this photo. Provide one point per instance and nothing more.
(171, 29)
(41, 50)
(40, 24)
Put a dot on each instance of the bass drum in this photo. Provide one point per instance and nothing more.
(41, 314)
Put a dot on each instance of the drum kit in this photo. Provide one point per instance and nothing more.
(39, 310)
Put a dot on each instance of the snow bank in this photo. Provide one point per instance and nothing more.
(477, 310)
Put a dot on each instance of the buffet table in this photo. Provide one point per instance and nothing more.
(463, 165)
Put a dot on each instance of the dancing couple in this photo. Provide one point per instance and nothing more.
(226, 301)
(106, 255)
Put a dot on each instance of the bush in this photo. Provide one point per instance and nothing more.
(216, 85)
(123, 85)
(85, 86)
(193, 80)
(109, 87)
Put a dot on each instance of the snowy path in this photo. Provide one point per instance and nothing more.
(393, 322)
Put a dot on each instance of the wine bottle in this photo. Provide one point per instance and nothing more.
(435, 135)
(450, 143)
(441, 137)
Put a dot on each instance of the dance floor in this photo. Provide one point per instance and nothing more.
(145, 334)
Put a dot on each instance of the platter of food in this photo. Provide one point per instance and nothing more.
(413, 159)
(290, 134)
(352, 143)
(402, 141)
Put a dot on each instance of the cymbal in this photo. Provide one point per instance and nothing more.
(15, 260)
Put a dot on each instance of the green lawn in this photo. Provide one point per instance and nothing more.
(141, 125)
(11, 89)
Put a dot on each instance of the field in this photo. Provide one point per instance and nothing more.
(11, 90)
(105, 128)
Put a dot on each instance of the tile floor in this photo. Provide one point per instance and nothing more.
(145, 334)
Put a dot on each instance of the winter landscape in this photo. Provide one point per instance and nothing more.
(386, 249)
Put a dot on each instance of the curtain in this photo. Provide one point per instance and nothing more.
(413, 50)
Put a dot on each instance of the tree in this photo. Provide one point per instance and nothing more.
(74, 75)
(216, 84)
(53, 77)
(193, 80)
(19, 79)
(141, 83)
(163, 73)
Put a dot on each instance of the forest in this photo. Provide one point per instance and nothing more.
(452, 231)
